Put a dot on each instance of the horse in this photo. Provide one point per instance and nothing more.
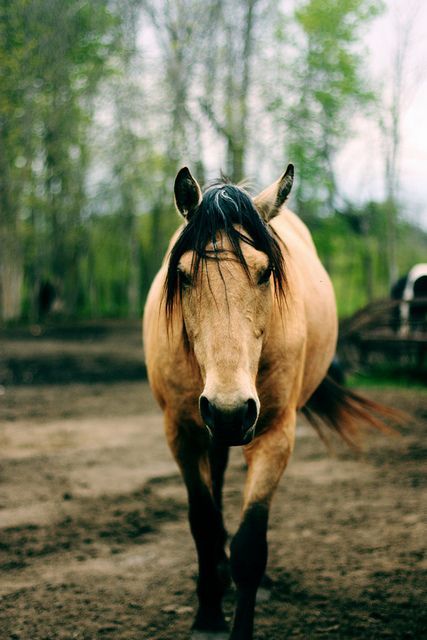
(240, 329)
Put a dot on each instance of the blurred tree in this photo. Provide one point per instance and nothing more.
(180, 29)
(74, 42)
(128, 144)
(228, 79)
(368, 224)
(52, 58)
(15, 85)
(102, 101)
(326, 84)
(403, 85)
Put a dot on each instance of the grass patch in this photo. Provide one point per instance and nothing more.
(387, 378)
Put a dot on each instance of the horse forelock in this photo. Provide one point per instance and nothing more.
(225, 209)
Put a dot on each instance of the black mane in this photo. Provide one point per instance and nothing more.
(223, 206)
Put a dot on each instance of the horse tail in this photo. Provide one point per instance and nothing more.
(347, 412)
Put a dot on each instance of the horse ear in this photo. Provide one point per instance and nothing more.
(269, 201)
(188, 194)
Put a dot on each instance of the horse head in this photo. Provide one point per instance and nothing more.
(224, 272)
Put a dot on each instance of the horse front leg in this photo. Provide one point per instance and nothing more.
(267, 457)
(207, 528)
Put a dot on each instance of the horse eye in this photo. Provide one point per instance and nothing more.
(184, 278)
(265, 276)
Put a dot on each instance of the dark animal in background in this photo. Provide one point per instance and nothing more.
(411, 289)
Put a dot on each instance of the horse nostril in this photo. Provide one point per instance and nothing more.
(251, 414)
(206, 411)
(233, 424)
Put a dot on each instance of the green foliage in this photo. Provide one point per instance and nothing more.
(351, 246)
(53, 56)
(92, 132)
(331, 84)
(387, 377)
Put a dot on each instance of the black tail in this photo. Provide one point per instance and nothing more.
(347, 412)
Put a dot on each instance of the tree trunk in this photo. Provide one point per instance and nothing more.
(11, 266)
(11, 277)
(368, 269)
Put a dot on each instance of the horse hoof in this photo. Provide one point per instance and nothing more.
(264, 589)
(263, 595)
(210, 620)
(212, 628)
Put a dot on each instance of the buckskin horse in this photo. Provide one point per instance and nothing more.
(240, 328)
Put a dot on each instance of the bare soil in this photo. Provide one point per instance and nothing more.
(94, 541)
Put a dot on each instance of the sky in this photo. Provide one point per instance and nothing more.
(358, 183)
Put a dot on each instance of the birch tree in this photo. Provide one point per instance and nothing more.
(326, 85)
(396, 97)
(228, 107)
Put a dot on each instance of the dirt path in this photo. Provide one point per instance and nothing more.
(94, 541)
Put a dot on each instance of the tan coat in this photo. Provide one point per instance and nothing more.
(298, 348)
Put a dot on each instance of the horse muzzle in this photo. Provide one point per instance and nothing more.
(232, 426)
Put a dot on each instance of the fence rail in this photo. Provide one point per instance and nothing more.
(386, 331)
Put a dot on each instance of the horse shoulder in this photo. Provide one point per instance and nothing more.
(310, 284)
(288, 221)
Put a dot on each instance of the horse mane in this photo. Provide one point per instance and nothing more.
(223, 206)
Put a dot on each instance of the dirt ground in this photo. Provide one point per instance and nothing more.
(94, 541)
